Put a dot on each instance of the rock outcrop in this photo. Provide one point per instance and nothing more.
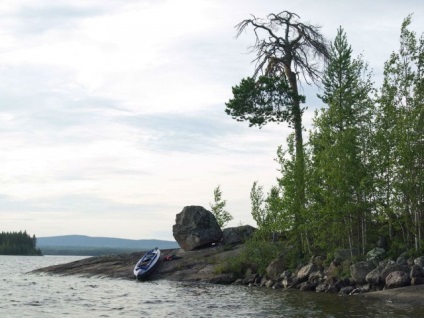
(237, 235)
(196, 227)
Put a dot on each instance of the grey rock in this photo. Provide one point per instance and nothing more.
(277, 285)
(305, 271)
(346, 290)
(276, 267)
(263, 281)
(419, 261)
(322, 288)
(416, 271)
(401, 260)
(269, 283)
(333, 269)
(286, 273)
(287, 282)
(307, 286)
(359, 271)
(393, 267)
(397, 279)
(374, 277)
(332, 290)
(196, 227)
(376, 254)
(417, 280)
(237, 235)
(316, 277)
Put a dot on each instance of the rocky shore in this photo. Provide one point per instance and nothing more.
(189, 266)
(206, 251)
(201, 266)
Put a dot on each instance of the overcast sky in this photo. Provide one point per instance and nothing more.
(112, 112)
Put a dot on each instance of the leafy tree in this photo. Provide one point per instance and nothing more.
(257, 200)
(218, 208)
(267, 211)
(399, 140)
(285, 49)
(338, 150)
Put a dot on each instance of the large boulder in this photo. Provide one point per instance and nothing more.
(196, 227)
(393, 267)
(334, 268)
(305, 271)
(276, 267)
(376, 254)
(237, 235)
(397, 279)
(359, 271)
(374, 277)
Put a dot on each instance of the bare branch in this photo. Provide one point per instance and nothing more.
(284, 43)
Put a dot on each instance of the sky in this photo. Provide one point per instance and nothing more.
(112, 113)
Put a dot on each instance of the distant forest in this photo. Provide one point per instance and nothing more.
(18, 243)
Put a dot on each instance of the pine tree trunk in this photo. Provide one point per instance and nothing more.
(300, 157)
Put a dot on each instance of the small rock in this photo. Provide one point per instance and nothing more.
(277, 285)
(346, 290)
(417, 280)
(307, 286)
(419, 261)
(416, 271)
(269, 283)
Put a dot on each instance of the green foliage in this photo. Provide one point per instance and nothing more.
(287, 49)
(18, 243)
(267, 211)
(399, 155)
(338, 184)
(218, 208)
(362, 170)
(255, 257)
(267, 99)
(257, 200)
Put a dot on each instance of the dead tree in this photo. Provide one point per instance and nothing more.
(288, 48)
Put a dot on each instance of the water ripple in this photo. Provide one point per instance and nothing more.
(34, 296)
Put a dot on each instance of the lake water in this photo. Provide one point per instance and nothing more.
(40, 295)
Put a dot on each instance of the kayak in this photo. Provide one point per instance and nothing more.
(147, 263)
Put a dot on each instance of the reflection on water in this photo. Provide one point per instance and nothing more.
(30, 295)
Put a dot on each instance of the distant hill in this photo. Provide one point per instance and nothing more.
(87, 245)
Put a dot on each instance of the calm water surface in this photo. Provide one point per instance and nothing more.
(39, 295)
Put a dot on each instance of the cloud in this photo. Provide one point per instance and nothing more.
(112, 112)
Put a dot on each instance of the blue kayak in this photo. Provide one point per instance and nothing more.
(146, 264)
